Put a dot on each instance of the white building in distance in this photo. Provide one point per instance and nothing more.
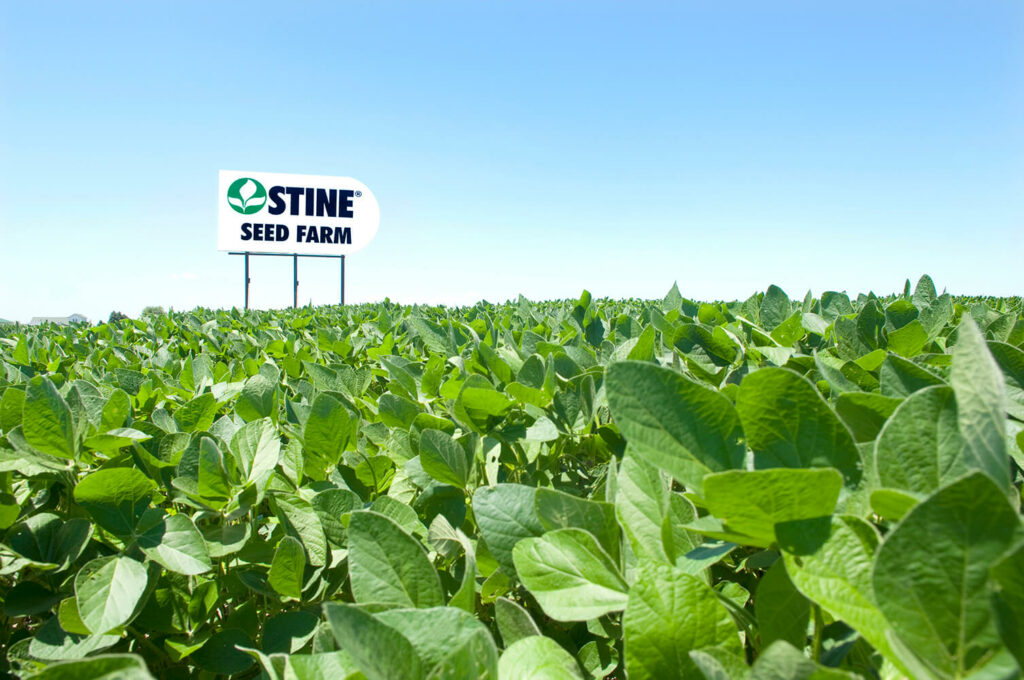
(60, 320)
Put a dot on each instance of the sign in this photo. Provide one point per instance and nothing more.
(265, 212)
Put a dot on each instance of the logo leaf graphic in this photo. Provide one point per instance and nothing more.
(246, 195)
(247, 190)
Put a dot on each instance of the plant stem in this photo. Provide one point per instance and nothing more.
(819, 624)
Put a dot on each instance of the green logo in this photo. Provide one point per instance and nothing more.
(247, 196)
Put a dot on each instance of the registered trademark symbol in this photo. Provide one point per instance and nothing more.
(358, 194)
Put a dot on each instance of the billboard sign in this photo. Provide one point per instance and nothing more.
(266, 212)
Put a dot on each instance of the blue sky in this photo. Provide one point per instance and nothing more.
(515, 147)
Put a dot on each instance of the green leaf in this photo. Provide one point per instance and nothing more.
(537, 658)
(221, 653)
(102, 667)
(893, 504)
(380, 651)
(865, 413)
(29, 598)
(751, 503)
(287, 568)
(174, 542)
(45, 538)
(570, 575)
(782, 661)
(12, 405)
(775, 307)
(329, 431)
(1008, 601)
(433, 335)
(514, 622)
(789, 425)
(46, 419)
(258, 399)
(559, 510)
(450, 642)
(1011, 361)
(924, 292)
(981, 404)
(215, 486)
(669, 614)
(257, 447)
(506, 514)
(465, 596)
(931, 574)
(388, 566)
(444, 459)
(196, 415)
(116, 411)
(108, 590)
(324, 665)
(329, 505)
(674, 423)
(642, 507)
(920, 448)
(673, 300)
(901, 378)
(908, 340)
(782, 611)
(301, 522)
(116, 498)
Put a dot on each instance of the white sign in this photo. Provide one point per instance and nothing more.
(265, 212)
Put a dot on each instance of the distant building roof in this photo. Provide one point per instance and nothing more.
(63, 320)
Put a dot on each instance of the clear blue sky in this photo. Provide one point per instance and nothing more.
(515, 147)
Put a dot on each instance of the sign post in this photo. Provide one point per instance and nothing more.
(295, 216)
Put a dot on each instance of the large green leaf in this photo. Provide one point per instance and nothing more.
(287, 569)
(572, 577)
(108, 590)
(1011, 361)
(560, 510)
(537, 658)
(450, 642)
(782, 661)
(102, 667)
(782, 611)
(674, 423)
(258, 399)
(174, 542)
(920, 448)
(789, 425)
(444, 459)
(981, 404)
(669, 614)
(1008, 601)
(116, 498)
(388, 566)
(302, 522)
(380, 651)
(329, 431)
(830, 560)
(514, 622)
(196, 415)
(751, 503)
(506, 515)
(46, 419)
(931, 574)
(642, 507)
(257, 447)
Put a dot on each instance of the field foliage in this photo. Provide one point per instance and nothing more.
(772, 488)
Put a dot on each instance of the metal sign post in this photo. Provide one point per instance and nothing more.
(295, 273)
